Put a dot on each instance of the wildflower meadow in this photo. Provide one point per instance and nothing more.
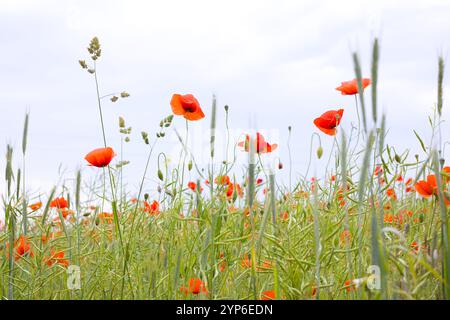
(372, 225)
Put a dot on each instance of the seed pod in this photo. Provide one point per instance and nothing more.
(114, 99)
(124, 94)
(280, 165)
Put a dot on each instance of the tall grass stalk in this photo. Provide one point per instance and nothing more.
(24, 199)
(358, 74)
(343, 162)
(211, 144)
(374, 77)
(444, 228)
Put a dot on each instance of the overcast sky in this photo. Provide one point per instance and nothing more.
(275, 63)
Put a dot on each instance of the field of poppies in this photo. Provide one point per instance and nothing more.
(375, 226)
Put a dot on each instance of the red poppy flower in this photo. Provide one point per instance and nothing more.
(234, 187)
(261, 145)
(349, 285)
(35, 206)
(446, 171)
(193, 186)
(246, 262)
(56, 257)
(59, 203)
(22, 247)
(328, 121)
(187, 106)
(106, 217)
(427, 188)
(66, 212)
(100, 157)
(268, 295)
(153, 208)
(351, 87)
(391, 193)
(196, 286)
(222, 180)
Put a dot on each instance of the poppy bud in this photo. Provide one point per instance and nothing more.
(280, 165)
(162, 134)
(442, 162)
(161, 124)
(146, 196)
(226, 108)
(91, 71)
(127, 139)
(417, 157)
(190, 165)
(397, 158)
(319, 152)
(290, 128)
(159, 189)
(160, 175)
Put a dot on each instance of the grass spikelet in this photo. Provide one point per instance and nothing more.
(374, 78)
(358, 74)
(440, 88)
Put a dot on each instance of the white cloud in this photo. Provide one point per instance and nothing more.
(275, 63)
